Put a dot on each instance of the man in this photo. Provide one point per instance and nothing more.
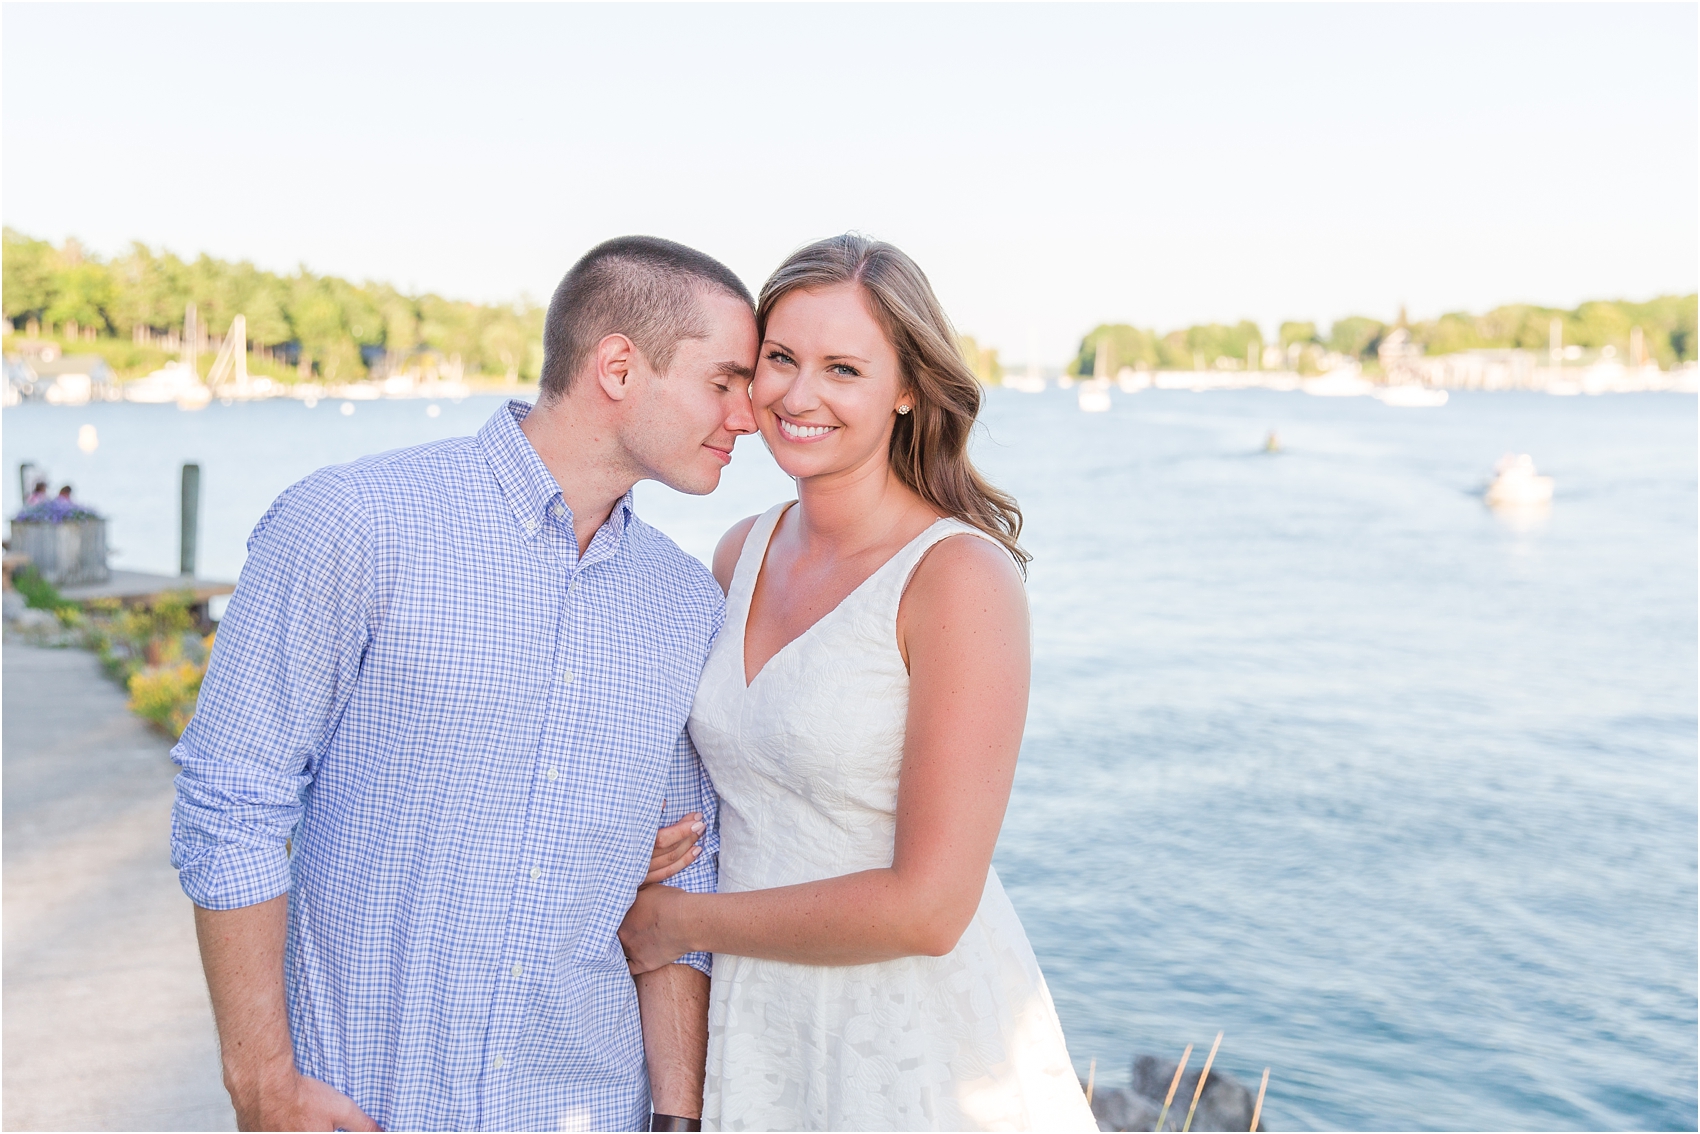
(453, 683)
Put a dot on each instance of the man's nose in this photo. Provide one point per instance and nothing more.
(742, 418)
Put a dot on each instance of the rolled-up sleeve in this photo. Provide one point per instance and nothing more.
(284, 664)
(689, 789)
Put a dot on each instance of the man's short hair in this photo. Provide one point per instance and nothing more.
(643, 287)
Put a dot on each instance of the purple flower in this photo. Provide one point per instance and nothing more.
(55, 511)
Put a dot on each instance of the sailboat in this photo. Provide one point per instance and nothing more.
(1094, 396)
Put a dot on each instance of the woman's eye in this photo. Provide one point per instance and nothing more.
(778, 356)
(846, 371)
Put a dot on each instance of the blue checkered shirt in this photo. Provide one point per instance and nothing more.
(470, 733)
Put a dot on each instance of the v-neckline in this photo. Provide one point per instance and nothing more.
(755, 581)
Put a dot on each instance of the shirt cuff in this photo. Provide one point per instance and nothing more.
(228, 876)
(701, 962)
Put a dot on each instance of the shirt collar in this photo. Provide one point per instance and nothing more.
(526, 482)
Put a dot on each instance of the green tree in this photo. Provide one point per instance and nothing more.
(153, 290)
(1356, 335)
(27, 271)
(1128, 346)
(332, 319)
(503, 341)
(83, 293)
(1302, 333)
(260, 297)
(983, 361)
(1211, 341)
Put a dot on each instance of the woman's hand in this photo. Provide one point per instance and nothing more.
(675, 848)
(650, 933)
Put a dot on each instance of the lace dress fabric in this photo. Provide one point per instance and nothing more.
(806, 760)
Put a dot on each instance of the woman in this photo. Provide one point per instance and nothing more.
(860, 716)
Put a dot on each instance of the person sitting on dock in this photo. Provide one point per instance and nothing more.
(38, 494)
(453, 682)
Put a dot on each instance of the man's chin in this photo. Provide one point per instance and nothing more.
(695, 483)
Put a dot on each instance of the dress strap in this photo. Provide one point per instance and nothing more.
(750, 561)
(904, 564)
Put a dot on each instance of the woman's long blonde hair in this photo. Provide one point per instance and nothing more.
(929, 445)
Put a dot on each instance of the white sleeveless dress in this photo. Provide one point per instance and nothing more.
(806, 761)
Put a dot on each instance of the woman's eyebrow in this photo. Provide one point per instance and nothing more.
(827, 358)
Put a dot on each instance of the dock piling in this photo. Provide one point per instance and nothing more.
(191, 518)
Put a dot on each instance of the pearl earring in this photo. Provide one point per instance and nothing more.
(902, 409)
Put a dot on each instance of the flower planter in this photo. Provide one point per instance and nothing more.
(68, 553)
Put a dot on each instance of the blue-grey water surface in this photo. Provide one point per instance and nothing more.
(1397, 793)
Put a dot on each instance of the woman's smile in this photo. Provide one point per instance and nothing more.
(801, 431)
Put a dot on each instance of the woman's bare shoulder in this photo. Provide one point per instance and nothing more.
(963, 573)
(730, 547)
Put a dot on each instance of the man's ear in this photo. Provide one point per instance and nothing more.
(614, 360)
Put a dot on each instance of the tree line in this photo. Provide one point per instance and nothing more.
(327, 326)
(1667, 324)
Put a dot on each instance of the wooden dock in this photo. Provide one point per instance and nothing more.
(140, 587)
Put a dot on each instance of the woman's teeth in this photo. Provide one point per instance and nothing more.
(801, 432)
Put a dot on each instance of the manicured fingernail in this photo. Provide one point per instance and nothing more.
(697, 828)
(695, 851)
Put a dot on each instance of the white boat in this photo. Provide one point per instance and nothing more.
(1517, 485)
(449, 388)
(1030, 383)
(1346, 382)
(172, 382)
(1412, 397)
(1094, 396)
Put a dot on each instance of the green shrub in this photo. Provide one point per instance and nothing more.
(39, 593)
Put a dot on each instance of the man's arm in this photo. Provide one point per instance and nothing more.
(242, 952)
(674, 1003)
(285, 663)
(673, 999)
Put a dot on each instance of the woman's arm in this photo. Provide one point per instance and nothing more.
(963, 630)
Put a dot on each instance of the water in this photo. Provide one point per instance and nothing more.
(1398, 794)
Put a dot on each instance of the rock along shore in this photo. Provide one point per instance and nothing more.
(1225, 1105)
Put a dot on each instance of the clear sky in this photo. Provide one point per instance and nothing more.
(1050, 166)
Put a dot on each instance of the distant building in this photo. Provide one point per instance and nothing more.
(1405, 364)
(71, 379)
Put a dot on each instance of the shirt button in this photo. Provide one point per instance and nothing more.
(560, 511)
(551, 773)
(536, 873)
(499, 1062)
(531, 526)
(516, 972)
(565, 677)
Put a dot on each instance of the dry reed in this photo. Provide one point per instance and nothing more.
(1198, 1092)
(1257, 1111)
(1180, 1069)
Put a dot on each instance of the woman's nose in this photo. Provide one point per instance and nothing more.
(799, 397)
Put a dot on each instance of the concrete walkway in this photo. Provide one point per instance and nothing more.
(107, 1024)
